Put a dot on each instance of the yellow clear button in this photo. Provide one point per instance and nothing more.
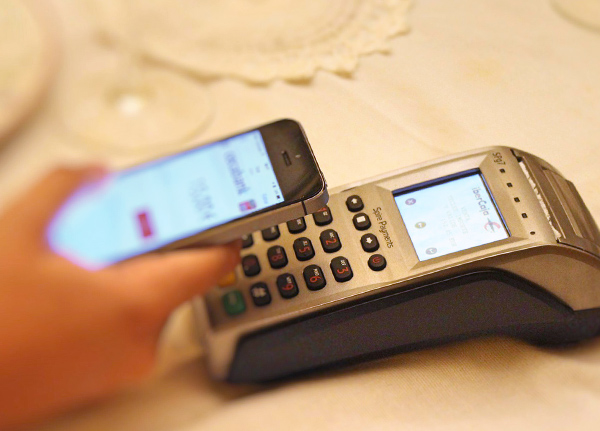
(228, 280)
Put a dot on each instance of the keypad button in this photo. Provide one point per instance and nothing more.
(277, 257)
(354, 203)
(361, 221)
(314, 277)
(250, 265)
(304, 249)
(233, 303)
(247, 241)
(227, 280)
(341, 269)
(260, 294)
(323, 216)
(296, 226)
(377, 262)
(330, 241)
(287, 286)
(369, 242)
(271, 233)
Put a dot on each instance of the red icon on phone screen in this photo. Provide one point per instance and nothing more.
(144, 223)
(247, 205)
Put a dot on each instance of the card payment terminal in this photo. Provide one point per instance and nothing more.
(493, 241)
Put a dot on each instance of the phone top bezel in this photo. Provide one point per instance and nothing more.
(302, 179)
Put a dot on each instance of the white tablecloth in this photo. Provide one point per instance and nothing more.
(470, 74)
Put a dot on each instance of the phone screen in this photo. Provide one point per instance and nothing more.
(141, 209)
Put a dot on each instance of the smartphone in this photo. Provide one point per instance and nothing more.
(211, 194)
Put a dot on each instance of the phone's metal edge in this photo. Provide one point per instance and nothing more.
(236, 229)
(318, 201)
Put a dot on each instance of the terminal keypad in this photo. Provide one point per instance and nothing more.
(294, 268)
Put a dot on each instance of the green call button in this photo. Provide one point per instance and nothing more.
(233, 302)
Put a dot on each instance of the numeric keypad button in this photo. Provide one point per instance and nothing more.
(247, 241)
(260, 294)
(287, 286)
(296, 226)
(303, 249)
(270, 233)
(361, 221)
(323, 216)
(354, 203)
(228, 280)
(369, 242)
(341, 269)
(250, 265)
(233, 302)
(330, 241)
(277, 257)
(314, 277)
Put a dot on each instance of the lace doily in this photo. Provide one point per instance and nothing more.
(263, 40)
(26, 60)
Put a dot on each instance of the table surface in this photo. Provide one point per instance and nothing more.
(469, 74)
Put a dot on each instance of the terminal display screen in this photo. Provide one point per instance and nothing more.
(450, 216)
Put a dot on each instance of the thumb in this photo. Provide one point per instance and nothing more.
(171, 278)
(37, 206)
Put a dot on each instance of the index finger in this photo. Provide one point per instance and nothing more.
(168, 279)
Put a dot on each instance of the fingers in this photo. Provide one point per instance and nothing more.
(172, 278)
(35, 209)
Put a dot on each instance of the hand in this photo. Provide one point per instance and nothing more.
(69, 335)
